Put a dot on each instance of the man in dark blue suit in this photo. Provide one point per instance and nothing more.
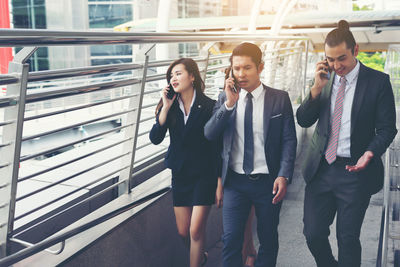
(356, 123)
(259, 148)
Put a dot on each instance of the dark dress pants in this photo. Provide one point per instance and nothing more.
(334, 190)
(240, 193)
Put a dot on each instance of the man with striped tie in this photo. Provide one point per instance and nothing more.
(355, 110)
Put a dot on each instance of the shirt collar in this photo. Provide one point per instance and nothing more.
(351, 75)
(181, 102)
(256, 92)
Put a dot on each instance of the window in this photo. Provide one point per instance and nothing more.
(31, 15)
(109, 15)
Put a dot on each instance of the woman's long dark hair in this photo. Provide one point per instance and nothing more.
(192, 68)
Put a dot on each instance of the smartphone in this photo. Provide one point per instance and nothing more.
(236, 84)
(328, 69)
(171, 92)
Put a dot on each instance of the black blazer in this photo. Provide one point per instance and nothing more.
(373, 124)
(188, 147)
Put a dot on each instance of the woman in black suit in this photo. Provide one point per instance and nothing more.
(191, 157)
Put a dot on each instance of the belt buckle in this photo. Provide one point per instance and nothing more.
(253, 177)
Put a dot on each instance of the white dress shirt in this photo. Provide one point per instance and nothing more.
(343, 149)
(182, 107)
(237, 151)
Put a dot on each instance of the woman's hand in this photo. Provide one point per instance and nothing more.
(219, 193)
(167, 103)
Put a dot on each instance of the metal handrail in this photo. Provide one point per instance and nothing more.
(6, 101)
(31, 156)
(70, 193)
(24, 253)
(384, 230)
(73, 176)
(105, 190)
(160, 151)
(21, 37)
(138, 172)
(91, 70)
(72, 126)
(143, 133)
(82, 71)
(21, 179)
(5, 165)
(8, 79)
(217, 68)
(4, 185)
(149, 105)
(96, 87)
(167, 62)
(64, 92)
(147, 119)
(34, 117)
(144, 145)
(219, 56)
(152, 91)
(27, 244)
(6, 123)
(5, 144)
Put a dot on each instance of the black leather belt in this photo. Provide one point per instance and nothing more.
(342, 159)
(254, 177)
(339, 160)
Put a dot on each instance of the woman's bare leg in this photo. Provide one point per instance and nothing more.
(198, 234)
(183, 216)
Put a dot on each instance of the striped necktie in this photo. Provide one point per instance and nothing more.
(331, 150)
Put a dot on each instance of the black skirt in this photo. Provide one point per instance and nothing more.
(193, 190)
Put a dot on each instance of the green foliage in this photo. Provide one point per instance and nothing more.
(363, 8)
(373, 60)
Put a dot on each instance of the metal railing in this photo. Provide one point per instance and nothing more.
(45, 244)
(389, 241)
(123, 107)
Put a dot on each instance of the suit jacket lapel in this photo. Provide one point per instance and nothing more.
(326, 112)
(268, 105)
(195, 111)
(359, 94)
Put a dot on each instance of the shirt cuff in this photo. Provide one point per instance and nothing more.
(227, 108)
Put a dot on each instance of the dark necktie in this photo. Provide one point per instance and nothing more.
(248, 158)
(330, 153)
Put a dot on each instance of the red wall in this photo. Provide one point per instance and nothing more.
(5, 52)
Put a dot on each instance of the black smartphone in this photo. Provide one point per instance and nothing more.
(236, 84)
(328, 70)
(171, 92)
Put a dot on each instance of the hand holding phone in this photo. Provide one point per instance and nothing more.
(232, 88)
(236, 84)
(171, 92)
(322, 76)
(328, 70)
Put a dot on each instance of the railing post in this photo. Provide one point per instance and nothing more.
(205, 52)
(303, 92)
(132, 132)
(10, 153)
(386, 210)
